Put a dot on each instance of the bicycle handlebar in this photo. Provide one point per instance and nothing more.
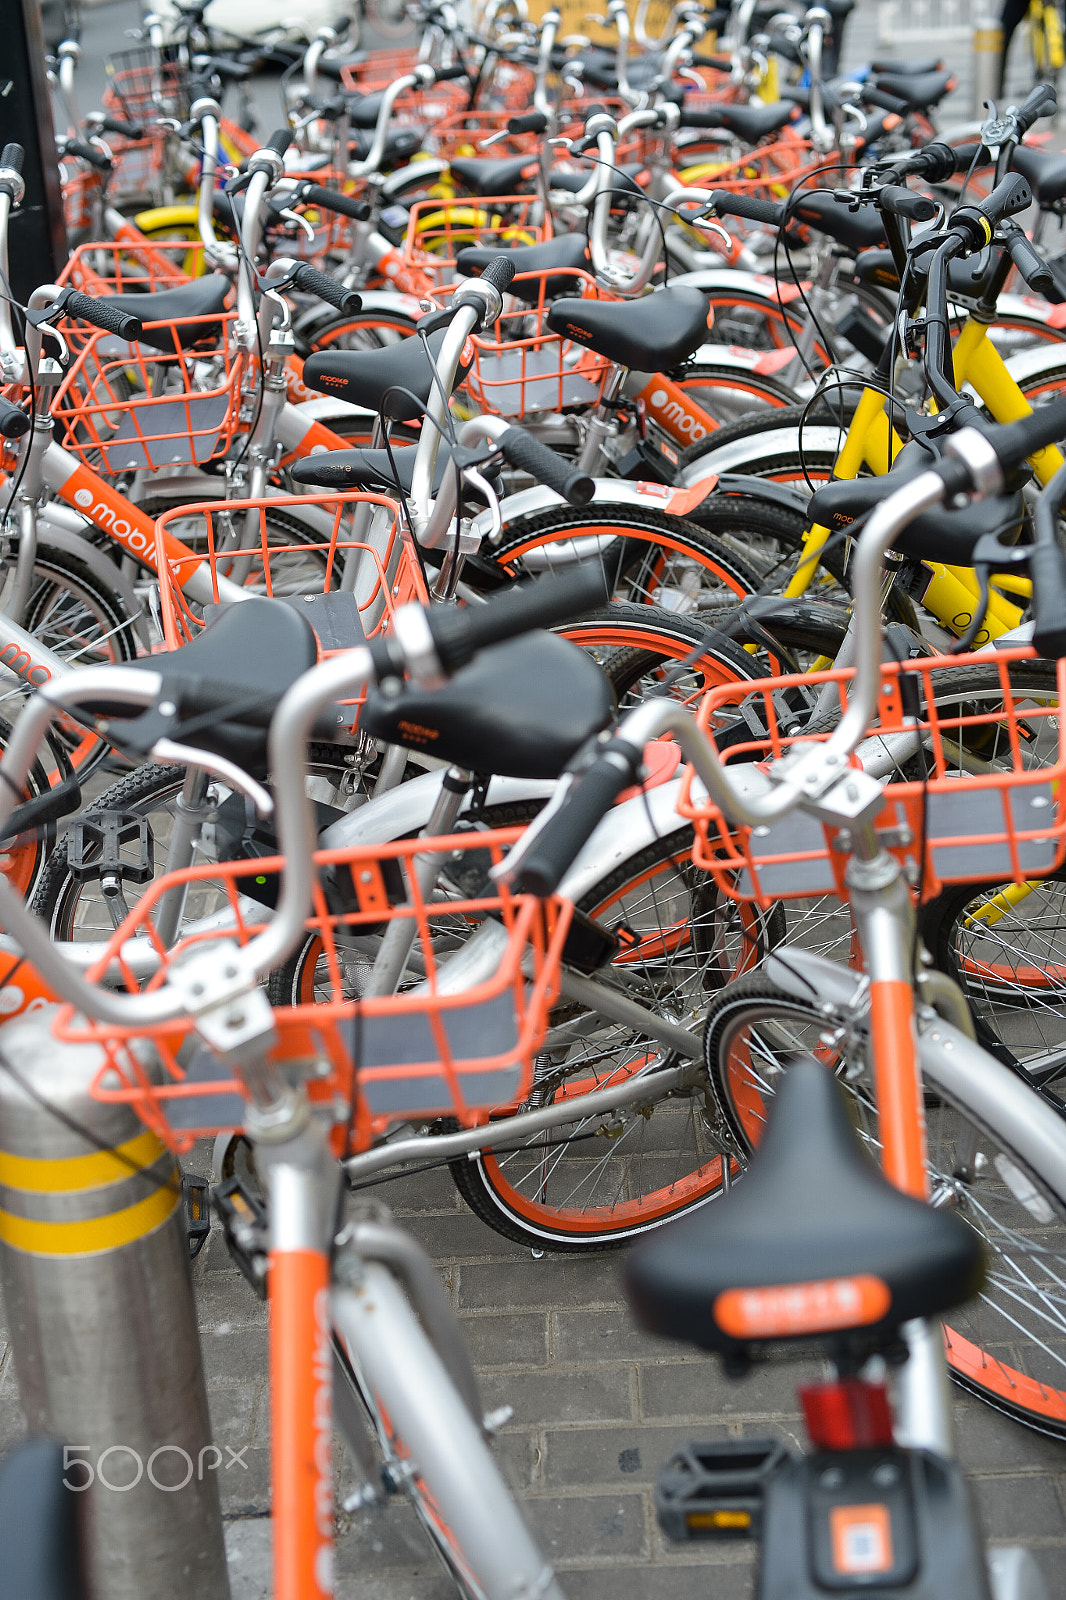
(14, 423)
(108, 318)
(1039, 102)
(88, 153)
(899, 201)
(13, 156)
(521, 450)
(529, 122)
(541, 858)
(328, 289)
(1030, 263)
(458, 635)
(332, 200)
(727, 204)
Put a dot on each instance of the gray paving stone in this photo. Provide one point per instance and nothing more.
(987, 1441)
(675, 1582)
(579, 1528)
(245, 1489)
(507, 1340)
(610, 1336)
(424, 1191)
(1020, 1508)
(626, 1457)
(699, 1390)
(248, 1555)
(234, 1354)
(461, 1236)
(554, 1281)
(240, 1414)
(589, 1396)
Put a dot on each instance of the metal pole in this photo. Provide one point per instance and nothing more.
(95, 1270)
(987, 49)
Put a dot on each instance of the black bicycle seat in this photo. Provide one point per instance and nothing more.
(247, 658)
(1045, 170)
(600, 69)
(487, 175)
(365, 377)
(812, 1241)
(200, 297)
(520, 710)
(568, 251)
(364, 109)
(400, 145)
(751, 122)
(38, 1526)
(648, 335)
(914, 67)
(939, 535)
(919, 92)
(855, 230)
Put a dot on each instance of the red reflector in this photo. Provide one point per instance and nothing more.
(847, 1415)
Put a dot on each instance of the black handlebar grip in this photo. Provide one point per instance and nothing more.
(1031, 264)
(728, 204)
(884, 101)
(13, 422)
(459, 635)
(447, 74)
(701, 117)
(12, 156)
(972, 155)
(499, 272)
(901, 203)
(529, 122)
(88, 153)
(1013, 441)
(1007, 199)
(313, 194)
(126, 130)
(595, 111)
(1047, 569)
(327, 289)
(1039, 102)
(521, 450)
(567, 829)
(279, 142)
(101, 315)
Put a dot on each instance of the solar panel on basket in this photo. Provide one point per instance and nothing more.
(434, 1049)
(519, 365)
(1001, 819)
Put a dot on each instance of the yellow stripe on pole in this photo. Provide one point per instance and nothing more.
(31, 1175)
(95, 1234)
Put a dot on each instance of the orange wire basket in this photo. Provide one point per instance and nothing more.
(769, 173)
(132, 268)
(143, 83)
(520, 366)
(438, 229)
(414, 106)
(1002, 825)
(250, 542)
(80, 187)
(462, 133)
(140, 164)
(433, 1049)
(130, 407)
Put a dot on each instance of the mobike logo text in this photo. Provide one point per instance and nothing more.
(323, 1426)
(21, 664)
(105, 516)
(670, 413)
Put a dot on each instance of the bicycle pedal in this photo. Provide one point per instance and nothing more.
(716, 1490)
(244, 1227)
(111, 844)
(196, 1203)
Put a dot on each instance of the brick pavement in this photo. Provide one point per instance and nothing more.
(597, 1406)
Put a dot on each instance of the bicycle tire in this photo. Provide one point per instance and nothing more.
(665, 1157)
(644, 649)
(1002, 1192)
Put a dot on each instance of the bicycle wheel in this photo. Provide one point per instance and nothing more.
(1005, 945)
(729, 393)
(595, 1182)
(645, 555)
(644, 650)
(1009, 1346)
(23, 858)
(792, 446)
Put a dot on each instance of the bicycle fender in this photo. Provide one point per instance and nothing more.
(778, 494)
(807, 976)
(404, 810)
(678, 502)
(729, 280)
(998, 1099)
(307, 324)
(764, 449)
(1043, 361)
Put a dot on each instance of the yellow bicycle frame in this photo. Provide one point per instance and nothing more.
(872, 442)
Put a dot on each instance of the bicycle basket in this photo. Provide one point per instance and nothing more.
(458, 1040)
(131, 268)
(128, 407)
(437, 230)
(299, 548)
(144, 83)
(520, 366)
(990, 809)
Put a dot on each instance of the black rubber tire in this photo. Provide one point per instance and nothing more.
(475, 1181)
(671, 639)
